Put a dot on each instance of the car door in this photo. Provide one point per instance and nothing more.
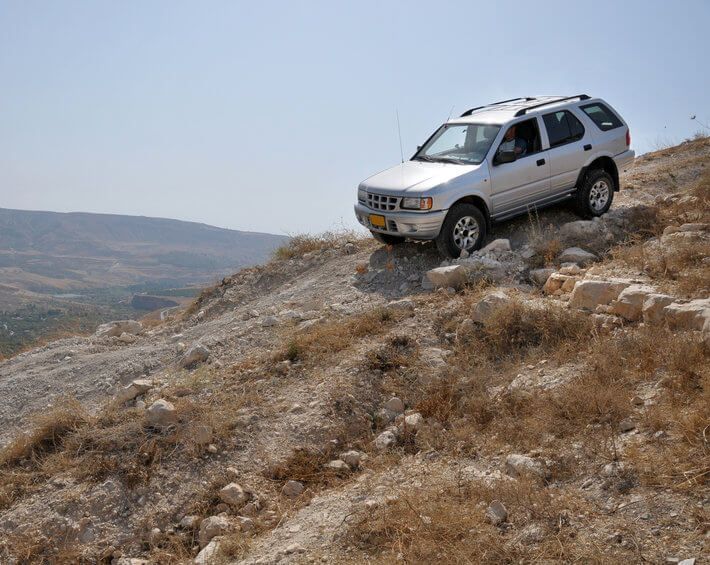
(516, 185)
(569, 143)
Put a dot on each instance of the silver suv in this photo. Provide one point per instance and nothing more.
(495, 162)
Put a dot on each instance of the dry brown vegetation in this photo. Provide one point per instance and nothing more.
(300, 244)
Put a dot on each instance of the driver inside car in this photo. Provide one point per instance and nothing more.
(513, 143)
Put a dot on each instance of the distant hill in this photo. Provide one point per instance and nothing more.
(49, 251)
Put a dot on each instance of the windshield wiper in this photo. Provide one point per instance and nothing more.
(425, 158)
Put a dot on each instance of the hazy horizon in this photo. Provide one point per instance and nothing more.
(265, 117)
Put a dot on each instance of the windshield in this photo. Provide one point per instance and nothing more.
(465, 144)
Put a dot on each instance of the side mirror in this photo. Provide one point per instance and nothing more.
(419, 148)
(505, 157)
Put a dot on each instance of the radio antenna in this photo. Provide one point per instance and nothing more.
(399, 132)
(450, 112)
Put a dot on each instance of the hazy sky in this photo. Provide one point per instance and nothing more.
(266, 115)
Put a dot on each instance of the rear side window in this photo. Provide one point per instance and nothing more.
(562, 127)
(602, 116)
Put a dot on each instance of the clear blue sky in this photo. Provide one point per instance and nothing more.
(265, 115)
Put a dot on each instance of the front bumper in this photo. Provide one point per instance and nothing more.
(415, 225)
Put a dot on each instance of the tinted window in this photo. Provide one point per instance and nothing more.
(602, 116)
(562, 127)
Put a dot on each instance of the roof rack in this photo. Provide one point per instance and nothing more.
(522, 111)
(472, 110)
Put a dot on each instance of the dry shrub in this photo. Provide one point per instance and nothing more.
(544, 240)
(299, 245)
(397, 352)
(307, 465)
(515, 328)
(324, 339)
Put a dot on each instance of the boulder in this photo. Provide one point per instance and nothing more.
(208, 554)
(352, 458)
(652, 308)
(485, 307)
(454, 276)
(118, 327)
(497, 245)
(693, 315)
(629, 304)
(588, 294)
(413, 422)
(576, 255)
(516, 465)
(540, 276)
(196, 354)
(480, 267)
(133, 390)
(385, 440)
(581, 231)
(556, 281)
(292, 489)
(496, 513)
(234, 495)
(161, 413)
(211, 527)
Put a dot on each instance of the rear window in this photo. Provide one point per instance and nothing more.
(602, 116)
(562, 127)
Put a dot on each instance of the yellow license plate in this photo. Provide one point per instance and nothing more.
(378, 221)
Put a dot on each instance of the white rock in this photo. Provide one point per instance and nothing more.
(338, 465)
(234, 494)
(587, 294)
(292, 489)
(161, 413)
(629, 304)
(516, 465)
(211, 527)
(190, 522)
(208, 554)
(385, 440)
(196, 354)
(118, 327)
(352, 458)
(395, 405)
(413, 422)
(444, 277)
(653, 305)
(136, 388)
(577, 255)
(491, 302)
(497, 245)
(481, 267)
(558, 281)
(693, 315)
(496, 513)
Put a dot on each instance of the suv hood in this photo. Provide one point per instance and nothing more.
(415, 176)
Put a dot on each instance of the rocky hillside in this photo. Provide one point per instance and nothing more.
(545, 399)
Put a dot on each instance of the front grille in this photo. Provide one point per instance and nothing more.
(381, 202)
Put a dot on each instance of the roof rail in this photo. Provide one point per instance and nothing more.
(522, 111)
(472, 110)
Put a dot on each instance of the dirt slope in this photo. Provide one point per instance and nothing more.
(303, 358)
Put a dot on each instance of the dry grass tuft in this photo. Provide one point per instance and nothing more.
(299, 245)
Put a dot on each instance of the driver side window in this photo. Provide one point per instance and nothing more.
(523, 138)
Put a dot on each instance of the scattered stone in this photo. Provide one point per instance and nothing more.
(652, 308)
(269, 321)
(234, 494)
(208, 555)
(626, 425)
(118, 327)
(338, 465)
(637, 401)
(161, 413)
(576, 255)
(444, 277)
(496, 513)
(133, 390)
(385, 440)
(483, 309)
(352, 458)
(558, 282)
(629, 304)
(395, 405)
(693, 315)
(404, 304)
(540, 276)
(190, 522)
(211, 527)
(581, 231)
(292, 489)
(212, 448)
(196, 354)
(497, 245)
(517, 465)
(413, 422)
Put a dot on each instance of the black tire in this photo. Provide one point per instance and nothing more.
(386, 238)
(445, 241)
(587, 202)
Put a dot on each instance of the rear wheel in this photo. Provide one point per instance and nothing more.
(386, 238)
(595, 195)
(464, 229)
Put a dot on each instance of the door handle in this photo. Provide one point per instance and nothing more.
(540, 162)
(587, 147)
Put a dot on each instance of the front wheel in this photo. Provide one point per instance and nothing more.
(386, 238)
(464, 229)
(595, 195)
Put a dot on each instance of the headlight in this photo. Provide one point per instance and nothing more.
(361, 195)
(416, 203)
